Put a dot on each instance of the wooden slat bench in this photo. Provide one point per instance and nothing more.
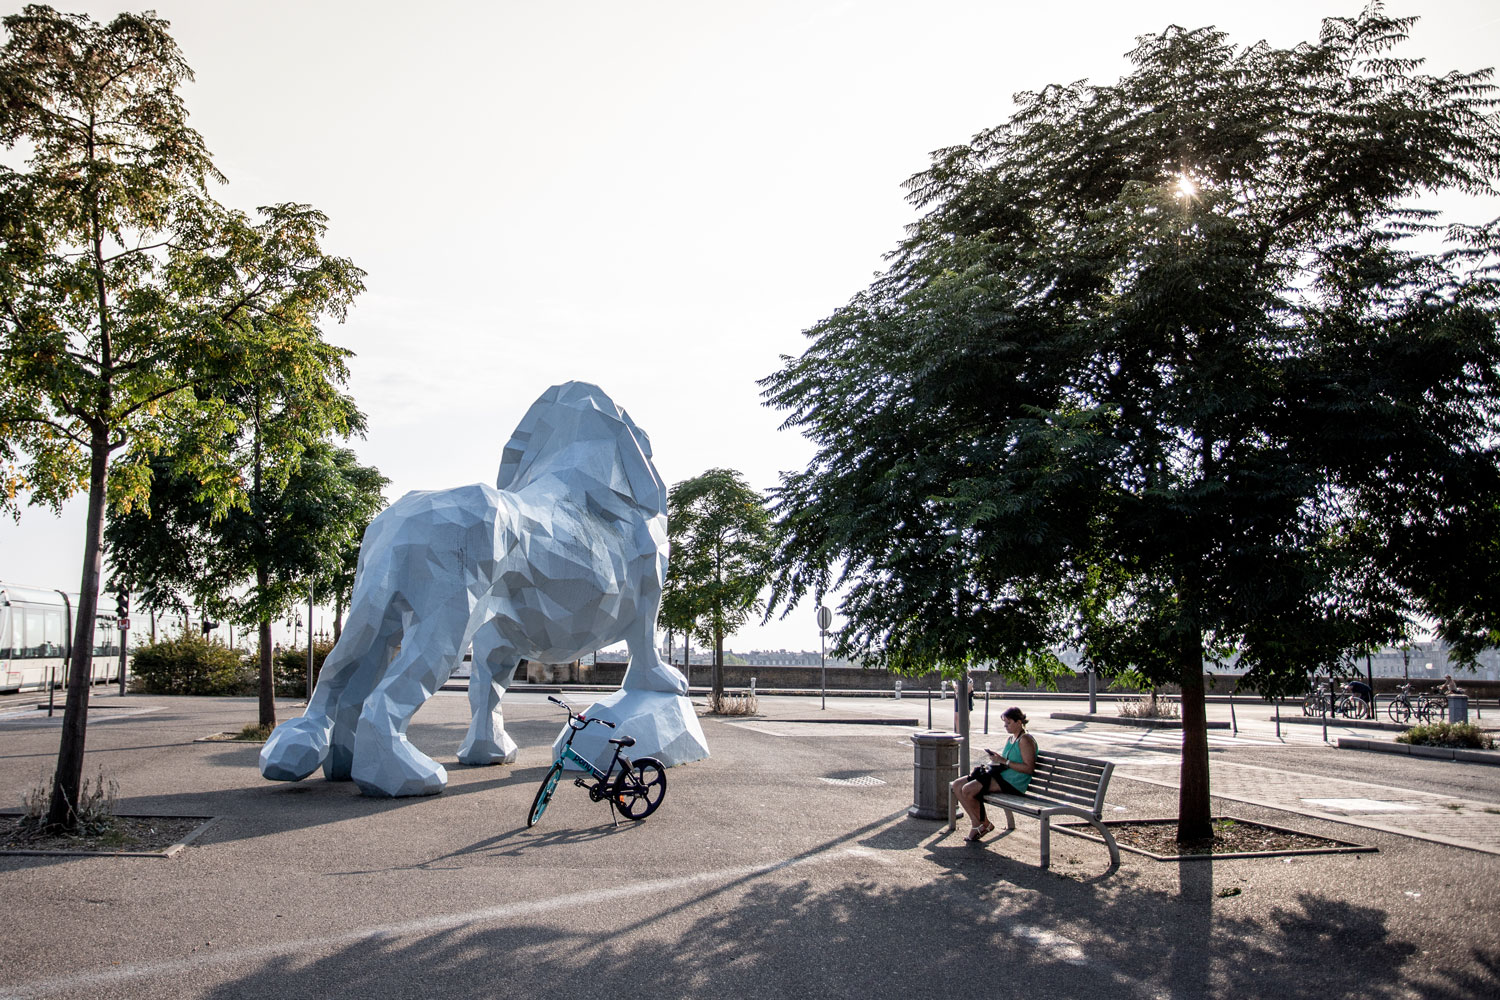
(1063, 784)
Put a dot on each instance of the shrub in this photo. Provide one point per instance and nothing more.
(95, 811)
(1459, 735)
(191, 664)
(744, 703)
(290, 666)
(1149, 707)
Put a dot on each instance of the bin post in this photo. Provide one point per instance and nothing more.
(934, 768)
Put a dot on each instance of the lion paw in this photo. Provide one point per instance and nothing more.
(295, 750)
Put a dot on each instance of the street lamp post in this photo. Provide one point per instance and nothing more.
(825, 619)
(309, 642)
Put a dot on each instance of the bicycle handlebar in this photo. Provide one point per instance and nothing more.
(579, 716)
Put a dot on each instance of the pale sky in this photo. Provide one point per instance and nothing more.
(654, 196)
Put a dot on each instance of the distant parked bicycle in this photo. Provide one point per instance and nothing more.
(1346, 705)
(636, 789)
(1423, 707)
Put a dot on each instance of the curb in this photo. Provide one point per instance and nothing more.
(1121, 720)
(1491, 757)
(1337, 722)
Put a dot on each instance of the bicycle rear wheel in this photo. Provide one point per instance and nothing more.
(544, 794)
(1399, 711)
(641, 788)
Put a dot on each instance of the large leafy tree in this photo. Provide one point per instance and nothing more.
(1168, 367)
(249, 564)
(128, 295)
(720, 532)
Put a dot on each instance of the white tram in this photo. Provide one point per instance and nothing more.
(36, 639)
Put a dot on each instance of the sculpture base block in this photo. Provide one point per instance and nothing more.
(664, 726)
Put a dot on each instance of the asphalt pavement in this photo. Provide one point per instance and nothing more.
(785, 865)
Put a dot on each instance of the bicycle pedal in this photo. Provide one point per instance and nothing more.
(578, 782)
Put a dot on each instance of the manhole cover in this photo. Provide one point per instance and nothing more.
(863, 781)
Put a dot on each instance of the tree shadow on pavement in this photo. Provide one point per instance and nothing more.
(848, 923)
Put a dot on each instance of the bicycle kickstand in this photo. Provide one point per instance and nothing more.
(613, 813)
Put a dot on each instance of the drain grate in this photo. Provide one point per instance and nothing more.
(862, 781)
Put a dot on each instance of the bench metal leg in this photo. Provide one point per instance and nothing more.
(952, 809)
(1109, 841)
(1046, 841)
(1010, 819)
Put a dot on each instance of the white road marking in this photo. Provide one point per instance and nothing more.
(755, 729)
(1363, 805)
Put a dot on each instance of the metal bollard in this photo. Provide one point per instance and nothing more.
(752, 687)
(898, 690)
(986, 707)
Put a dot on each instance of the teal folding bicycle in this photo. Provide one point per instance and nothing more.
(635, 789)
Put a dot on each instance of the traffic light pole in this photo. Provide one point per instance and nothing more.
(122, 605)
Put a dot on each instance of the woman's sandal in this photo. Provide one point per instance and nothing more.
(979, 831)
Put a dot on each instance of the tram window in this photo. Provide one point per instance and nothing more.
(106, 642)
(54, 624)
(36, 633)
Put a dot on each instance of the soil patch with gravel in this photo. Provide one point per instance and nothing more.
(1231, 836)
(126, 834)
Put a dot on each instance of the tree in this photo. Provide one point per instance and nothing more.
(128, 295)
(720, 533)
(1167, 367)
(291, 535)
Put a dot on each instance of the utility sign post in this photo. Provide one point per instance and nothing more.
(825, 619)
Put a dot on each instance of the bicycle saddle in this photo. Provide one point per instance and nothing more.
(624, 741)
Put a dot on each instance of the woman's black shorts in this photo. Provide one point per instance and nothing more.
(990, 780)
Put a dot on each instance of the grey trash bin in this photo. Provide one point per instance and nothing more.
(934, 767)
(1458, 708)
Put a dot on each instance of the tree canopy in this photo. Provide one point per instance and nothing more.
(1167, 367)
(720, 533)
(129, 296)
(251, 564)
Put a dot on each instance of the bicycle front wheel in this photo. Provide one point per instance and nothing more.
(641, 788)
(1399, 711)
(544, 794)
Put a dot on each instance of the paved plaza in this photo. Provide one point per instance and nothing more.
(785, 865)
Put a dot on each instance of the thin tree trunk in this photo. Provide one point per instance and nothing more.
(267, 677)
(1194, 816)
(718, 678)
(338, 618)
(67, 781)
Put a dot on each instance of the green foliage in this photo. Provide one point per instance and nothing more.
(190, 664)
(1166, 368)
(133, 306)
(291, 669)
(1460, 735)
(720, 533)
(181, 553)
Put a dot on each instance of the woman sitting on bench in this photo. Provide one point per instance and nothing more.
(1008, 773)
